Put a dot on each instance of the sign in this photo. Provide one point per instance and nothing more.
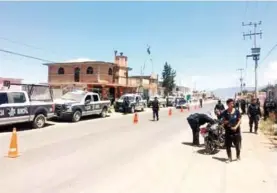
(2, 112)
(22, 111)
(11, 112)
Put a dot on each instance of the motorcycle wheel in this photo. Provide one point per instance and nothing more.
(210, 147)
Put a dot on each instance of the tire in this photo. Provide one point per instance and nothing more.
(142, 108)
(210, 147)
(76, 117)
(103, 114)
(39, 121)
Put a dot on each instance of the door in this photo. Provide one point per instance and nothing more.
(17, 110)
(88, 110)
(97, 106)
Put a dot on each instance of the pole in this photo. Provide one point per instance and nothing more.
(241, 79)
(255, 51)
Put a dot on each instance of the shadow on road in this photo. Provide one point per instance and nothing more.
(86, 118)
(190, 144)
(203, 152)
(20, 127)
(220, 159)
(248, 132)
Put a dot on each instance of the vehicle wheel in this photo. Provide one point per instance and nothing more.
(104, 112)
(76, 116)
(210, 147)
(142, 108)
(132, 109)
(39, 121)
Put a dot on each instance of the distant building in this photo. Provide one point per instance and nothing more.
(147, 85)
(12, 80)
(109, 79)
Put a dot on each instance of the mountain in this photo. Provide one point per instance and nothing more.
(229, 92)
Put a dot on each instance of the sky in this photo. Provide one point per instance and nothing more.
(202, 41)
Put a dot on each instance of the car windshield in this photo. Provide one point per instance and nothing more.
(38, 92)
(73, 96)
(131, 98)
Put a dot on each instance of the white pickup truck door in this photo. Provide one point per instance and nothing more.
(97, 107)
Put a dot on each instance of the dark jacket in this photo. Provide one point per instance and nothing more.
(232, 119)
(200, 119)
(254, 110)
(155, 105)
(219, 106)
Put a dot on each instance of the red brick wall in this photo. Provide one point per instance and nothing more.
(68, 76)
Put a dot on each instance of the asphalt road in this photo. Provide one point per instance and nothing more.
(113, 155)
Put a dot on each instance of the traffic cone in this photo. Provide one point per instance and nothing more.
(13, 151)
(182, 110)
(169, 112)
(135, 118)
(188, 108)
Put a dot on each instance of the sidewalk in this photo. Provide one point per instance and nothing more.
(257, 171)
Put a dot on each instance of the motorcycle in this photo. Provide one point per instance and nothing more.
(214, 137)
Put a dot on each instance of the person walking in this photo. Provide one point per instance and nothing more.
(231, 122)
(195, 121)
(218, 109)
(243, 106)
(201, 102)
(155, 108)
(254, 114)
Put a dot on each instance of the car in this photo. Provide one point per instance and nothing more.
(181, 103)
(171, 101)
(161, 100)
(136, 103)
(30, 103)
(77, 104)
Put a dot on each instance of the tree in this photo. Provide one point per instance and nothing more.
(168, 76)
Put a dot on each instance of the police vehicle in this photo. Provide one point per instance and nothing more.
(136, 103)
(162, 101)
(74, 105)
(28, 103)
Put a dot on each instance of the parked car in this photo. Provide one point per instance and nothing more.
(31, 103)
(161, 100)
(181, 102)
(171, 101)
(77, 104)
(136, 103)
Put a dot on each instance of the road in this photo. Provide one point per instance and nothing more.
(114, 155)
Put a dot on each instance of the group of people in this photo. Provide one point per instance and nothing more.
(231, 119)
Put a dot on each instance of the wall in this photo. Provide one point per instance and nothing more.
(68, 76)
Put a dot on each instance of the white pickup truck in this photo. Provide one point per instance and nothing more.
(31, 103)
(74, 105)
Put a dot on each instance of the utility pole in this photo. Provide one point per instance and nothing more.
(241, 79)
(255, 50)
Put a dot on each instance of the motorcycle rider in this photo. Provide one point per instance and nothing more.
(231, 120)
(195, 121)
(155, 108)
(254, 114)
(218, 109)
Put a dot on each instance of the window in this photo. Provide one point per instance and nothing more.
(3, 98)
(77, 74)
(17, 97)
(89, 70)
(88, 98)
(61, 71)
(110, 71)
(95, 98)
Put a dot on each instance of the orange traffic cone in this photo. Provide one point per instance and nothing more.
(169, 112)
(182, 109)
(135, 118)
(13, 151)
(188, 107)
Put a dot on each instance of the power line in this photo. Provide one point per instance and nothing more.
(23, 55)
(268, 53)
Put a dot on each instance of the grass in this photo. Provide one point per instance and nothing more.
(269, 128)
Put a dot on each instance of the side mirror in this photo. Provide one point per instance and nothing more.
(87, 102)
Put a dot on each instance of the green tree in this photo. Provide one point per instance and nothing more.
(168, 76)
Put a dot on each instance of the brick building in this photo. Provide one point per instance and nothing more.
(12, 80)
(108, 79)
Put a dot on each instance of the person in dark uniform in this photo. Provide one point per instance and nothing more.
(267, 104)
(237, 104)
(243, 106)
(258, 102)
(254, 114)
(195, 121)
(201, 102)
(155, 108)
(231, 120)
(218, 109)
(126, 103)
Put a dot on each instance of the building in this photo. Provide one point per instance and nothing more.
(109, 79)
(12, 81)
(146, 85)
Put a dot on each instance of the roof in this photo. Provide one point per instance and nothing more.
(71, 62)
(144, 77)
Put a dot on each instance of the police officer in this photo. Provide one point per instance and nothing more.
(126, 103)
(232, 119)
(258, 102)
(237, 104)
(218, 109)
(155, 108)
(195, 121)
(201, 102)
(254, 113)
(243, 106)
(267, 105)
